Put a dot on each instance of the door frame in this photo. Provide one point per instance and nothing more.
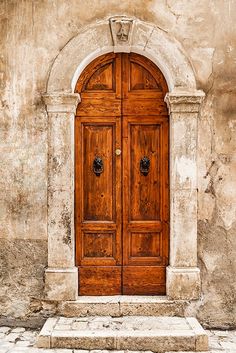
(183, 100)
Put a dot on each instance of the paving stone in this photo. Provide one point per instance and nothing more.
(5, 344)
(20, 350)
(18, 330)
(78, 325)
(30, 333)
(64, 320)
(228, 345)
(62, 327)
(214, 344)
(24, 343)
(3, 350)
(5, 329)
(12, 337)
(220, 333)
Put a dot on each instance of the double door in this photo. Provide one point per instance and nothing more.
(121, 177)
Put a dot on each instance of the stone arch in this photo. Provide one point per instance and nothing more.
(183, 100)
(147, 40)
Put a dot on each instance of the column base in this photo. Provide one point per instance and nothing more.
(61, 283)
(183, 283)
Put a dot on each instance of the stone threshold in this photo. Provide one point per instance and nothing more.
(122, 298)
(122, 305)
(133, 333)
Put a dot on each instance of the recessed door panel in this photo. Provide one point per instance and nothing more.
(98, 166)
(144, 244)
(144, 149)
(98, 245)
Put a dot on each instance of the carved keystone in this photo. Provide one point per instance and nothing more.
(121, 32)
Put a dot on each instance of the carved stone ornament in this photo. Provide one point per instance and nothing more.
(121, 31)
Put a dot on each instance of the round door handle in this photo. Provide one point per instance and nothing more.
(118, 152)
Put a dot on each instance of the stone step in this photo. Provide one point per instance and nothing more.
(133, 333)
(122, 305)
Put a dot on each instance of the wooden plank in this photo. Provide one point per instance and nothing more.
(99, 107)
(142, 280)
(100, 280)
(144, 107)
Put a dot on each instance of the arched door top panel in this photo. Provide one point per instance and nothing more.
(102, 72)
(130, 77)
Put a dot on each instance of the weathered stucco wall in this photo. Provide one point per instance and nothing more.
(32, 35)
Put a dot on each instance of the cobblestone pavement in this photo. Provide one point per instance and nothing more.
(19, 339)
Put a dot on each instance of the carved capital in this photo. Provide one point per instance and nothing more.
(121, 32)
(185, 102)
(61, 102)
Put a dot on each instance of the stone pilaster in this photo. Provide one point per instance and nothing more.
(61, 276)
(183, 275)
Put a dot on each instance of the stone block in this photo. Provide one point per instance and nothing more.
(61, 151)
(160, 342)
(61, 229)
(164, 47)
(201, 336)
(44, 338)
(183, 144)
(134, 333)
(61, 284)
(83, 340)
(183, 283)
(155, 306)
(141, 34)
(90, 306)
(183, 225)
(61, 103)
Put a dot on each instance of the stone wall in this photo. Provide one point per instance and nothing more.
(33, 32)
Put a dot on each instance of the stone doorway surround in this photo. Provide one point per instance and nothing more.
(122, 34)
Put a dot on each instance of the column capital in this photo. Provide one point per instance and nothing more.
(61, 102)
(182, 101)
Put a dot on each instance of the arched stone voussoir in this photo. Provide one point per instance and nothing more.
(171, 59)
(96, 39)
(91, 42)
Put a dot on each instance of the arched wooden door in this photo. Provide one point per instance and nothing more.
(121, 182)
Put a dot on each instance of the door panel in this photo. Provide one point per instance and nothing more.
(121, 177)
(96, 280)
(145, 231)
(144, 201)
(98, 190)
(143, 280)
(98, 210)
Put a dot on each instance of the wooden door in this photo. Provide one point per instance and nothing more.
(121, 177)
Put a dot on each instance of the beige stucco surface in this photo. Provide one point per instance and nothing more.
(33, 33)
